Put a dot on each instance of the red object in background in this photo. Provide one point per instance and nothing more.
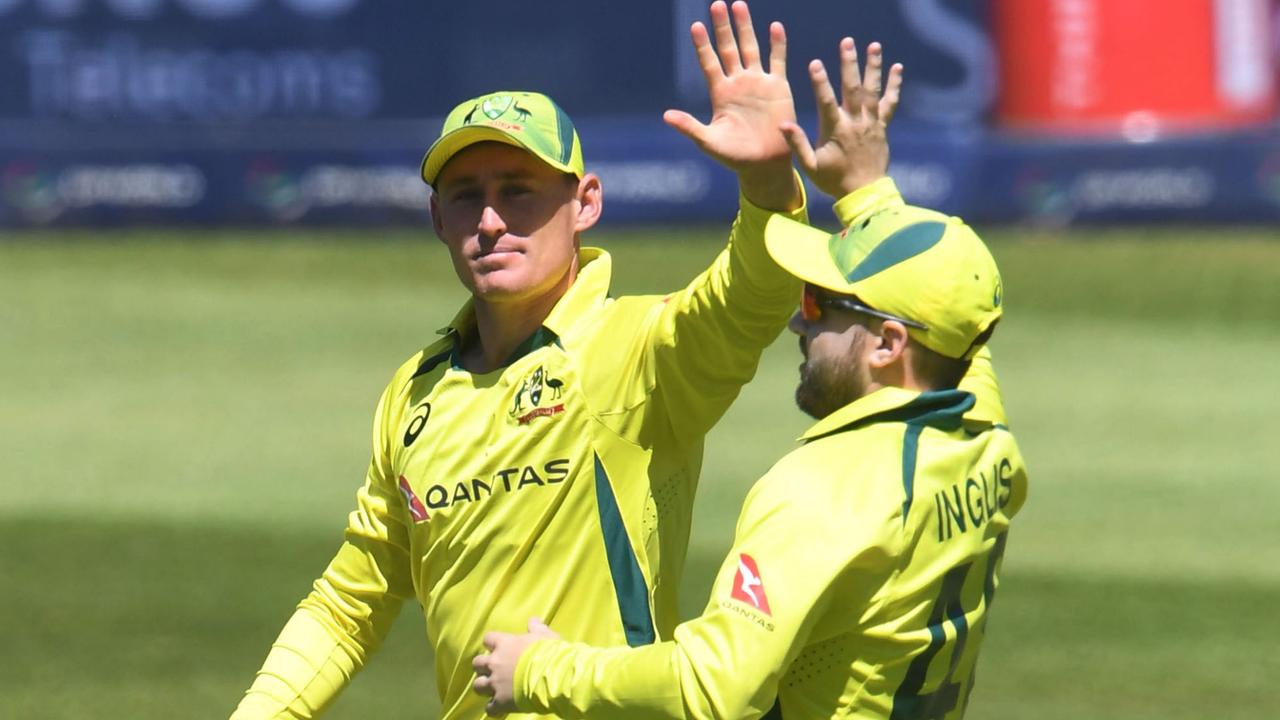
(1134, 68)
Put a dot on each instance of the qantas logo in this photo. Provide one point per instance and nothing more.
(416, 508)
(747, 585)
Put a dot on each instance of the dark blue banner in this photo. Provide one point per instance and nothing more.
(318, 111)
(224, 62)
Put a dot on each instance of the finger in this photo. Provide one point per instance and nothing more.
(850, 77)
(483, 685)
(725, 44)
(491, 708)
(491, 639)
(707, 59)
(871, 79)
(777, 49)
(747, 42)
(828, 109)
(805, 157)
(480, 664)
(687, 125)
(892, 93)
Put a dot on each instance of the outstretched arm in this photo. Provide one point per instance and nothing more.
(749, 104)
(727, 663)
(852, 150)
(740, 304)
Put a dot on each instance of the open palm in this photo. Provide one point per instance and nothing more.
(748, 103)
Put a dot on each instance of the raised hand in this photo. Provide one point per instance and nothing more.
(749, 105)
(852, 149)
(496, 670)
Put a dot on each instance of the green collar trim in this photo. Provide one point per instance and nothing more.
(942, 409)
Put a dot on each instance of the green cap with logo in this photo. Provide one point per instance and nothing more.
(527, 120)
(906, 261)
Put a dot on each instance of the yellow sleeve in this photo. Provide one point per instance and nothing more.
(352, 605)
(728, 662)
(708, 337)
(868, 199)
(981, 381)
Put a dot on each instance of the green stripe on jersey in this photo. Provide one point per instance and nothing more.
(628, 581)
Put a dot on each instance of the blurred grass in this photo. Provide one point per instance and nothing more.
(184, 419)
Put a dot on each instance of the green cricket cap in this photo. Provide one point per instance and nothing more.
(527, 120)
(907, 261)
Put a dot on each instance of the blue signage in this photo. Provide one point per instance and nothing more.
(314, 111)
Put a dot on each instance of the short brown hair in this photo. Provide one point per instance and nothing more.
(936, 370)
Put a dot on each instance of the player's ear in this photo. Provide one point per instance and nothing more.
(888, 344)
(590, 199)
(436, 224)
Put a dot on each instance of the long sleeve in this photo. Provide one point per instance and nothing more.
(351, 606)
(708, 337)
(774, 585)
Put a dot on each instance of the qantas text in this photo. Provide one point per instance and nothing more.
(507, 480)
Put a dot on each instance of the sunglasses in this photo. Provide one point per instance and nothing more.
(814, 300)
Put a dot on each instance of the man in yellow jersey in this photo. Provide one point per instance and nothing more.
(864, 562)
(541, 457)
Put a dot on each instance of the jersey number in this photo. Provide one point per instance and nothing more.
(908, 702)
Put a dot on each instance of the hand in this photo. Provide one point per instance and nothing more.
(496, 671)
(748, 107)
(852, 149)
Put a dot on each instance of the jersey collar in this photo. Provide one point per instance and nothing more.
(589, 289)
(938, 408)
(595, 271)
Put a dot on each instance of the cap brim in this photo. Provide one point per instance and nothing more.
(804, 252)
(443, 149)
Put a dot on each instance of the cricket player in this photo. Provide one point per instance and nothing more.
(865, 562)
(540, 458)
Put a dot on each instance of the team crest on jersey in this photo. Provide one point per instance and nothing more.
(748, 587)
(416, 508)
(537, 396)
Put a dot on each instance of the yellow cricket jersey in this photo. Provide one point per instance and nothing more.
(560, 485)
(863, 569)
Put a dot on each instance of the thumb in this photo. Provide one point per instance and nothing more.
(800, 147)
(687, 125)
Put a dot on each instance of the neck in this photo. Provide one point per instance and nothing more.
(502, 326)
(500, 329)
(897, 374)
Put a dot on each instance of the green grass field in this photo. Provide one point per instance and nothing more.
(184, 419)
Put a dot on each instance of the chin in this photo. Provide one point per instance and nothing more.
(819, 394)
(488, 281)
(810, 405)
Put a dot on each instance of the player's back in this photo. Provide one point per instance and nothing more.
(900, 635)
